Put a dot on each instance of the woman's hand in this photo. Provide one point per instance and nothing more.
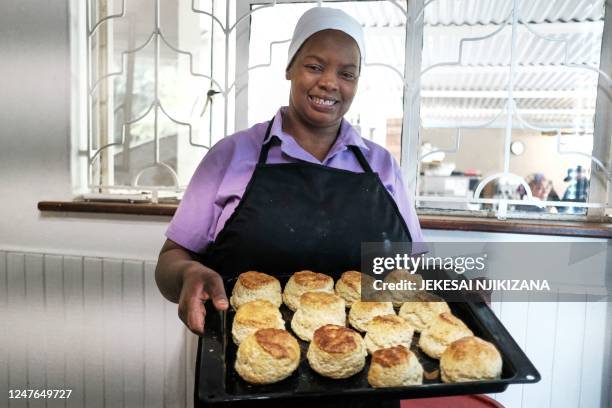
(199, 285)
(185, 281)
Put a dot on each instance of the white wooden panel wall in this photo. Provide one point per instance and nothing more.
(101, 328)
(566, 341)
(97, 326)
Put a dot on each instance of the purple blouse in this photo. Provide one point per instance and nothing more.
(223, 174)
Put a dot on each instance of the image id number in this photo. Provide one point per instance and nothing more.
(36, 394)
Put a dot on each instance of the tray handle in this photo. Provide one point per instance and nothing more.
(214, 345)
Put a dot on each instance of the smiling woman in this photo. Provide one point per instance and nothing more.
(300, 192)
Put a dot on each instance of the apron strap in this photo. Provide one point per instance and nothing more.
(265, 148)
(361, 159)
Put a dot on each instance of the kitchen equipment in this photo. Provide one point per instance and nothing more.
(217, 382)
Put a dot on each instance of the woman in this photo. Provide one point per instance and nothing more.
(302, 191)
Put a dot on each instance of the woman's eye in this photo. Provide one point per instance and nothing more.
(348, 75)
(314, 67)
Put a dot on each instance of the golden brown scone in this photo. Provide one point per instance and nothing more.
(394, 367)
(254, 285)
(305, 281)
(267, 356)
(470, 359)
(336, 352)
(398, 297)
(422, 311)
(317, 309)
(362, 312)
(348, 287)
(444, 329)
(255, 315)
(388, 331)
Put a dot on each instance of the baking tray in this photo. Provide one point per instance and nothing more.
(217, 383)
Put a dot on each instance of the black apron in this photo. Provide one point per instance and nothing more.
(299, 216)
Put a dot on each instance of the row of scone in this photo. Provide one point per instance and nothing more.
(256, 285)
(271, 355)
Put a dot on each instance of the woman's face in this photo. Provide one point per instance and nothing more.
(324, 76)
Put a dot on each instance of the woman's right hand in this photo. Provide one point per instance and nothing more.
(199, 285)
(184, 280)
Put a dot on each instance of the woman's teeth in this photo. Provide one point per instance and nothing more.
(319, 101)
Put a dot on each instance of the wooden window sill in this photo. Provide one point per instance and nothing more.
(108, 207)
(450, 223)
(558, 228)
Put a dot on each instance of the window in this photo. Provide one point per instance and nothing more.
(156, 91)
(508, 105)
(487, 108)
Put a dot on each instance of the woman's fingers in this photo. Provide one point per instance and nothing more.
(197, 314)
(216, 290)
(197, 288)
(191, 307)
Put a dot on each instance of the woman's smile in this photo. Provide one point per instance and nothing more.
(323, 104)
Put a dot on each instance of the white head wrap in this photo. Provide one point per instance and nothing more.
(325, 18)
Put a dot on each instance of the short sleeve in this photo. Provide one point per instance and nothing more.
(196, 217)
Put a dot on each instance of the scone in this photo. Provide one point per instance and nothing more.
(348, 287)
(362, 312)
(398, 297)
(317, 309)
(336, 352)
(267, 356)
(305, 281)
(388, 331)
(444, 329)
(422, 311)
(253, 285)
(255, 315)
(394, 367)
(470, 359)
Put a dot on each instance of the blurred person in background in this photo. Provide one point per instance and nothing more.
(541, 190)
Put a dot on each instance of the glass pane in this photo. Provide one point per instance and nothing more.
(540, 137)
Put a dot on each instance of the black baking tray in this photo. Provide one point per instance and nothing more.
(217, 383)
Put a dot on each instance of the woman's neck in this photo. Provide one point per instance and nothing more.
(316, 141)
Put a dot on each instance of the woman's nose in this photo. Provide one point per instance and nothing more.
(328, 81)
